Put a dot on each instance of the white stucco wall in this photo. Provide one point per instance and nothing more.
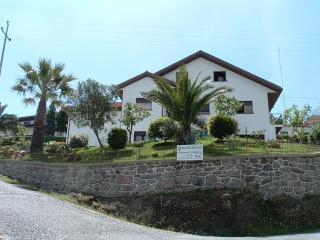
(133, 91)
(243, 89)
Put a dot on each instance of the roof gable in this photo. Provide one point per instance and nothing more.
(218, 61)
(141, 76)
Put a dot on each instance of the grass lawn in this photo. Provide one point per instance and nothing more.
(161, 150)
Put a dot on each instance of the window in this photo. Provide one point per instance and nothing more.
(205, 109)
(219, 76)
(179, 75)
(147, 104)
(246, 108)
(139, 136)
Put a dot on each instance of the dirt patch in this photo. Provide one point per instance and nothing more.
(215, 212)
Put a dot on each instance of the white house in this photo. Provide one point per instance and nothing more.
(257, 94)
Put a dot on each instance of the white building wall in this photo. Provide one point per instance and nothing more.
(243, 89)
(133, 91)
(73, 130)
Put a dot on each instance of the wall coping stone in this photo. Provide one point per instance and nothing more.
(246, 156)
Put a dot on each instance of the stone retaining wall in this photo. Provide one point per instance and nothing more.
(272, 176)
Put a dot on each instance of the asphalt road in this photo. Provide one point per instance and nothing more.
(29, 215)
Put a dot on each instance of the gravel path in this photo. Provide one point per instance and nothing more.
(29, 215)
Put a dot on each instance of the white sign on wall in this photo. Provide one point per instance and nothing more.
(192, 152)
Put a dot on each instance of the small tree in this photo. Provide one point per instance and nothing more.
(61, 122)
(226, 105)
(21, 139)
(295, 117)
(163, 128)
(222, 126)
(132, 114)
(93, 105)
(51, 120)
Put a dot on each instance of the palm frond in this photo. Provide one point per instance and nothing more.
(29, 101)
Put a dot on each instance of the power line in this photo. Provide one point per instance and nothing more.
(173, 28)
(170, 45)
(203, 36)
(307, 98)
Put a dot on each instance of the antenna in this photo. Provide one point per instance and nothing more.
(282, 81)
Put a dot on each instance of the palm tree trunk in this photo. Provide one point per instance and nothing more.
(39, 128)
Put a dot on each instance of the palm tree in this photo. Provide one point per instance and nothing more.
(44, 83)
(2, 108)
(184, 101)
(7, 121)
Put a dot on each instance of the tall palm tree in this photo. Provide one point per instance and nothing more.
(184, 101)
(44, 83)
(7, 121)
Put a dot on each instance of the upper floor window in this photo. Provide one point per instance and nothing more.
(205, 109)
(219, 76)
(246, 108)
(147, 104)
(180, 75)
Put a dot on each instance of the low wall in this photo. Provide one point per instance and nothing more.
(272, 176)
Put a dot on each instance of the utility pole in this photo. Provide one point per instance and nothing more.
(4, 43)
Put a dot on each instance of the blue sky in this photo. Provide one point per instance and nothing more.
(112, 41)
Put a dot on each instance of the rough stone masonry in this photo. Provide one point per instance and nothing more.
(272, 176)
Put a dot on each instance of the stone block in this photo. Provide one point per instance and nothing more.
(198, 181)
(168, 174)
(266, 180)
(297, 170)
(241, 166)
(216, 162)
(232, 173)
(304, 178)
(267, 167)
(124, 179)
(249, 179)
(211, 180)
(165, 184)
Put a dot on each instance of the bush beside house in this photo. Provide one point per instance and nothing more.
(117, 138)
(222, 126)
(79, 141)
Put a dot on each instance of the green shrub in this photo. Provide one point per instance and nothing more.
(7, 141)
(163, 128)
(54, 147)
(222, 126)
(79, 141)
(117, 138)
